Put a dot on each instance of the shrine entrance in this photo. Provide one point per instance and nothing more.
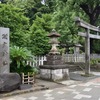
(87, 35)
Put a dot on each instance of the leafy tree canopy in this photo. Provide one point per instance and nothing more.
(39, 31)
(31, 8)
(64, 22)
(40, 15)
(92, 10)
(13, 18)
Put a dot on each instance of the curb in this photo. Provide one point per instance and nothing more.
(69, 82)
(34, 89)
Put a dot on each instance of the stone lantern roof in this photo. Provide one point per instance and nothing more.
(78, 45)
(54, 34)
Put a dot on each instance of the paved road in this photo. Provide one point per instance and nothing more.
(83, 91)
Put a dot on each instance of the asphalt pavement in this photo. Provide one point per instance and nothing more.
(77, 88)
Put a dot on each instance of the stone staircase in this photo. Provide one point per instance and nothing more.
(75, 66)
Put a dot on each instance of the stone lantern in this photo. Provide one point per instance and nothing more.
(54, 42)
(54, 68)
(77, 48)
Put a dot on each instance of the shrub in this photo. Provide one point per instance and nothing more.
(19, 56)
(94, 61)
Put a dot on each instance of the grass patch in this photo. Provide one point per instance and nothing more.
(87, 75)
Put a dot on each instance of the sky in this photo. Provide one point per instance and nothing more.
(43, 1)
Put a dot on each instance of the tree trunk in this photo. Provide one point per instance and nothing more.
(93, 14)
(92, 22)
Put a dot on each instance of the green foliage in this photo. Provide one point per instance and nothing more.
(14, 19)
(30, 69)
(64, 23)
(62, 51)
(30, 21)
(71, 50)
(19, 53)
(18, 57)
(33, 8)
(39, 31)
(96, 46)
(65, 12)
(20, 38)
(87, 75)
(50, 4)
(94, 61)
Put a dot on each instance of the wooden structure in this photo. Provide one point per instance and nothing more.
(28, 78)
(88, 28)
(73, 58)
(38, 60)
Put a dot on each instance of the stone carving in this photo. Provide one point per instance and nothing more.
(54, 42)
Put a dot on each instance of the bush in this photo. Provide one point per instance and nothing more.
(18, 57)
(30, 69)
(94, 61)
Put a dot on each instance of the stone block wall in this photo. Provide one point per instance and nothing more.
(54, 74)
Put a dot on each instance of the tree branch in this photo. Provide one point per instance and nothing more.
(86, 8)
(96, 12)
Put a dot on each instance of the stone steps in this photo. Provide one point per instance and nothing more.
(75, 66)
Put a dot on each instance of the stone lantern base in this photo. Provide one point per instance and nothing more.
(54, 69)
(54, 74)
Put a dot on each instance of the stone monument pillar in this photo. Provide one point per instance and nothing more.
(4, 50)
(54, 68)
(8, 81)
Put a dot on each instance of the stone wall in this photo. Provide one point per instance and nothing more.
(54, 74)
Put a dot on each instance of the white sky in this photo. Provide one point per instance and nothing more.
(43, 2)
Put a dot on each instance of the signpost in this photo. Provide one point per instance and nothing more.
(87, 36)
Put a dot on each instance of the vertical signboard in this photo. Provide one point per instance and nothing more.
(4, 50)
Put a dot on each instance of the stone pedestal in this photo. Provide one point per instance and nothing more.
(54, 69)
